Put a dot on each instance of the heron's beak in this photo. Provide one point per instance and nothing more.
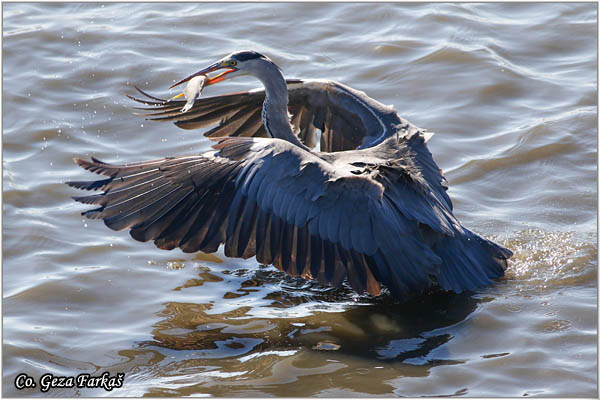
(211, 80)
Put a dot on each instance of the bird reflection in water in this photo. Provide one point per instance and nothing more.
(270, 311)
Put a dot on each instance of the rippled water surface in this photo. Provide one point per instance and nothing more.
(509, 89)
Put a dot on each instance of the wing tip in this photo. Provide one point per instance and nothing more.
(77, 185)
(94, 213)
(427, 135)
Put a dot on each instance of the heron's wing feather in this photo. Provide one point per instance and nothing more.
(269, 198)
(234, 114)
(347, 118)
(411, 151)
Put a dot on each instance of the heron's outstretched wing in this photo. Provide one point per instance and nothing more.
(292, 209)
(347, 118)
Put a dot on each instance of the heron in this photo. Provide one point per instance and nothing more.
(370, 207)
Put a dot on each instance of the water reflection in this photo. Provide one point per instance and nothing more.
(308, 317)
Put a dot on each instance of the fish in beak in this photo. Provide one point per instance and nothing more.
(191, 92)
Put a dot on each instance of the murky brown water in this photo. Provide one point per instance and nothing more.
(510, 90)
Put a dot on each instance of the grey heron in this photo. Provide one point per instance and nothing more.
(370, 206)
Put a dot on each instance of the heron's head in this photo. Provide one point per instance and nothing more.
(240, 63)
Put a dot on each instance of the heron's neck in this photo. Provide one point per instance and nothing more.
(275, 114)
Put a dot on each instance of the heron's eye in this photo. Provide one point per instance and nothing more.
(233, 63)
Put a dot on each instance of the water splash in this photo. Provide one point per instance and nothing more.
(543, 259)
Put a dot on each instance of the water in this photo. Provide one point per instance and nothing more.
(509, 89)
